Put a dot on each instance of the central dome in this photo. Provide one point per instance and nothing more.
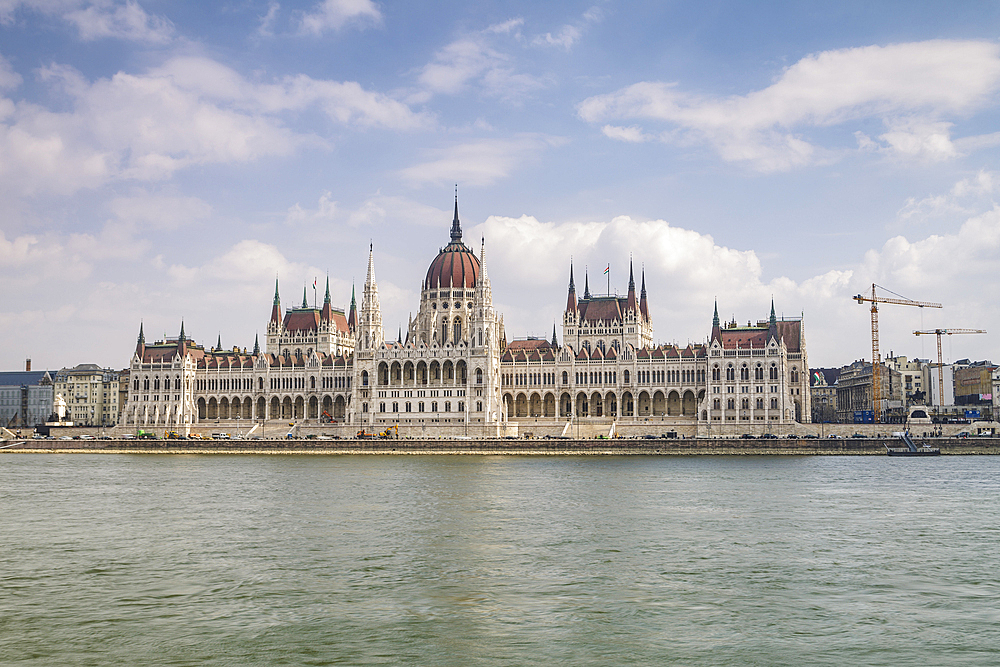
(456, 265)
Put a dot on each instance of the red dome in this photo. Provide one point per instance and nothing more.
(455, 266)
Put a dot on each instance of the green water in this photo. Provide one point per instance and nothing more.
(326, 560)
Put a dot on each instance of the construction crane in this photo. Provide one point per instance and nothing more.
(940, 363)
(876, 373)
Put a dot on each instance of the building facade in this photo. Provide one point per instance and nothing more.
(455, 372)
(91, 394)
(26, 398)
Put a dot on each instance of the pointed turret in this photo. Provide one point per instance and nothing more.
(772, 325)
(218, 345)
(276, 306)
(456, 226)
(352, 316)
(631, 304)
(716, 329)
(182, 342)
(586, 283)
(327, 313)
(370, 334)
(140, 344)
(256, 346)
(305, 304)
(555, 341)
(399, 336)
(643, 305)
(571, 296)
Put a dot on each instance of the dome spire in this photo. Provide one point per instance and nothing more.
(456, 226)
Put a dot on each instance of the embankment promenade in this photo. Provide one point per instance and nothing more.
(521, 447)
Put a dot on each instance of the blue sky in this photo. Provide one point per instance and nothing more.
(165, 160)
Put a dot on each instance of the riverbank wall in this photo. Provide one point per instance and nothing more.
(523, 446)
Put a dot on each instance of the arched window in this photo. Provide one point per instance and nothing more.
(444, 333)
(795, 375)
(774, 372)
(760, 403)
(758, 372)
(458, 330)
(744, 373)
(716, 373)
(135, 384)
(364, 378)
(600, 345)
(625, 376)
(716, 404)
(480, 337)
(312, 383)
(260, 383)
(730, 373)
(730, 403)
(774, 404)
(479, 376)
(745, 404)
(156, 384)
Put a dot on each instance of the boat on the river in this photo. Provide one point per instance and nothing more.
(911, 448)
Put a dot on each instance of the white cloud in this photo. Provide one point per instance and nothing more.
(8, 77)
(335, 14)
(632, 134)
(159, 211)
(570, 34)
(911, 86)
(128, 21)
(480, 162)
(188, 111)
(266, 27)
(479, 58)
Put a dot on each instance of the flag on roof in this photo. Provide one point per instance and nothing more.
(608, 270)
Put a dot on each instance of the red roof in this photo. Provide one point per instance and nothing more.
(602, 308)
(455, 266)
(302, 319)
(529, 344)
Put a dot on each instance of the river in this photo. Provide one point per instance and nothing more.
(477, 560)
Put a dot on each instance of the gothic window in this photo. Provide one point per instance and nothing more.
(444, 332)
(364, 378)
(479, 376)
(480, 337)
(745, 373)
(760, 403)
(260, 383)
(758, 372)
(716, 373)
(458, 330)
(774, 371)
(312, 383)
(600, 345)
(156, 384)
(745, 404)
(625, 376)
(135, 384)
(730, 403)
(716, 404)
(795, 375)
(774, 404)
(730, 373)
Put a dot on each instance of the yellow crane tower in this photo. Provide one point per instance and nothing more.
(940, 363)
(876, 372)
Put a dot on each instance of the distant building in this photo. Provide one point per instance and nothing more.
(974, 385)
(823, 391)
(911, 373)
(25, 397)
(91, 394)
(854, 392)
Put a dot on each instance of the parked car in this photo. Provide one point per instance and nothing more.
(769, 436)
(748, 436)
(859, 435)
(963, 434)
(834, 435)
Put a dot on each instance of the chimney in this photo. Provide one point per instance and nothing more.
(27, 364)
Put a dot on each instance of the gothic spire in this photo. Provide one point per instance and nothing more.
(256, 345)
(142, 336)
(716, 329)
(772, 327)
(326, 299)
(555, 341)
(218, 345)
(571, 295)
(276, 306)
(631, 304)
(352, 316)
(305, 304)
(586, 283)
(456, 226)
(643, 305)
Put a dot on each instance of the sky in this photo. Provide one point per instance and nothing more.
(165, 161)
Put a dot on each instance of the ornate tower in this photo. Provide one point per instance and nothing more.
(369, 332)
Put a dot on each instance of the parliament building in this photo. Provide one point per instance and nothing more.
(456, 374)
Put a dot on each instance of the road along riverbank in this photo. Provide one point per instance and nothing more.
(536, 447)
